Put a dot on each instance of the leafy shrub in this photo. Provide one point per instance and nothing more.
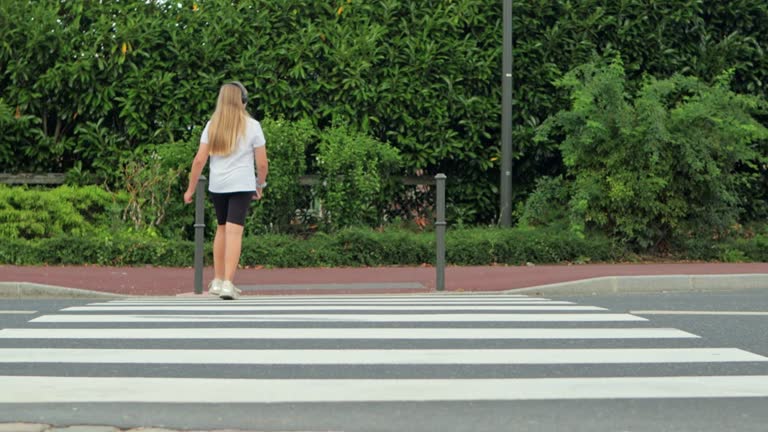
(733, 256)
(367, 247)
(753, 249)
(27, 213)
(175, 159)
(517, 246)
(287, 142)
(99, 150)
(659, 164)
(353, 168)
(744, 249)
(19, 129)
(113, 249)
(149, 184)
(347, 247)
(547, 204)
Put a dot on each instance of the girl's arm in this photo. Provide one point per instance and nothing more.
(201, 158)
(262, 168)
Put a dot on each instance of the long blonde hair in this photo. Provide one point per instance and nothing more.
(228, 121)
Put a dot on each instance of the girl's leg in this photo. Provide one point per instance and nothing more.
(232, 246)
(219, 242)
(221, 205)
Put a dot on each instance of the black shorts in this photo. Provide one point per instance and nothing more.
(231, 207)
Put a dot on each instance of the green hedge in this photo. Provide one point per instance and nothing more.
(677, 156)
(104, 249)
(350, 247)
(484, 246)
(365, 247)
(353, 170)
(736, 250)
(83, 82)
(36, 213)
(287, 143)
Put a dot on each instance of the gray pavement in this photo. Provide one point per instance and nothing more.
(733, 318)
(44, 427)
(655, 415)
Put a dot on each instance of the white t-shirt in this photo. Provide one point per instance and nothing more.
(236, 172)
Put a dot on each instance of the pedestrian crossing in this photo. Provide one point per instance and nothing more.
(378, 357)
(260, 334)
(364, 348)
(351, 318)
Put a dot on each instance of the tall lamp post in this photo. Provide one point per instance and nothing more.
(505, 213)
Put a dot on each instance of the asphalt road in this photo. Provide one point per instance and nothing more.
(722, 318)
(563, 395)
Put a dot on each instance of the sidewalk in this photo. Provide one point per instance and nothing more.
(156, 281)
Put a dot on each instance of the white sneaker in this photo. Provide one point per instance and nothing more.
(229, 291)
(214, 288)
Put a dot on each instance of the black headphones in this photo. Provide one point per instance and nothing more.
(243, 91)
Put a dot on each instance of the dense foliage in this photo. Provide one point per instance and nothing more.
(83, 82)
(670, 160)
(33, 214)
(353, 169)
(662, 150)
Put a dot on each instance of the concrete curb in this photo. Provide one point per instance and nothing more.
(599, 285)
(648, 284)
(35, 290)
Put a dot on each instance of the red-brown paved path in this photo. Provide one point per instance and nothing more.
(173, 281)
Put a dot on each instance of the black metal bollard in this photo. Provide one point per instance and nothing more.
(199, 233)
(440, 226)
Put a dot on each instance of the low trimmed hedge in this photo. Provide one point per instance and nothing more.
(754, 249)
(349, 247)
(103, 249)
(520, 245)
(28, 213)
(358, 247)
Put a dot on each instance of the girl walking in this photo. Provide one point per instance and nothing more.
(233, 140)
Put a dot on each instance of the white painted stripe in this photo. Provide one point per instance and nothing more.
(238, 308)
(380, 357)
(693, 312)
(326, 318)
(431, 294)
(248, 301)
(17, 312)
(359, 298)
(346, 333)
(46, 389)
